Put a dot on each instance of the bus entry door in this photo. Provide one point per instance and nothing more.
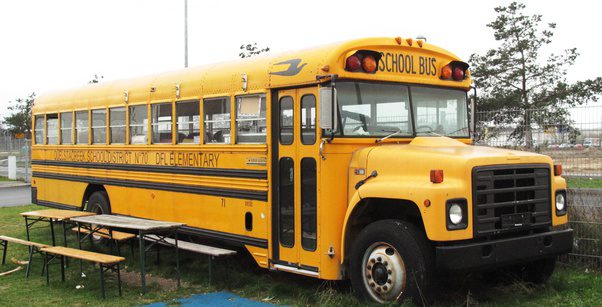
(295, 226)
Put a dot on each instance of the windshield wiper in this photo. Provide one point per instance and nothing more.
(393, 133)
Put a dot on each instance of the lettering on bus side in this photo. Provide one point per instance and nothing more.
(194, 159)
(169, 158)
(407, 64)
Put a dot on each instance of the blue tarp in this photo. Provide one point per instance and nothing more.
(215, 299)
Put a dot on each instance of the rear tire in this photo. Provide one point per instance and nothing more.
(390, 262)
(99, 204)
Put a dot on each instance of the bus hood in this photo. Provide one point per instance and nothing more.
(427, 153)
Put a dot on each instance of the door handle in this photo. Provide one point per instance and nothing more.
(322, 149)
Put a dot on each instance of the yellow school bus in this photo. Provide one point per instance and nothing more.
(349, 160)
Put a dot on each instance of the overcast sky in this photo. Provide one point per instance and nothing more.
(49, 45)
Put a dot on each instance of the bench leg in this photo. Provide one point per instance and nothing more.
(65, 239)
(177, 257)
(46, 266)
(142, 264)
(28, 269)
(118, 279)
(102, 280)
(118, 248)
(158, 254)
(62, 268)
(5, 246)
(132, 247)
(210, 265)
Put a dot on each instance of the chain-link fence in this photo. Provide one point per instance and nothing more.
(585, 218)
(21, 148)
(572, 137)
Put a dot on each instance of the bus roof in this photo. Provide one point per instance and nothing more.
(403, 60)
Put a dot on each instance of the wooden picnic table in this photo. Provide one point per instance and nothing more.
(144, 227)
(51, 216)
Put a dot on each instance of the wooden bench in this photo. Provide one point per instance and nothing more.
(210, 251)
(104, 261)
(116, 236)
(33, 248)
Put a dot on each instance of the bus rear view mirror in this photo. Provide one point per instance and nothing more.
(328, 109)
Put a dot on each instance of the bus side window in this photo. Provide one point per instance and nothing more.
(308, 119)
(188, 122)
(117, 125)
(161, 123)
(39, 129)
(217, 120)
(66, 127)
(52, 128)
(138, 124)
(250, 119)
(99, 126)
(81, 127)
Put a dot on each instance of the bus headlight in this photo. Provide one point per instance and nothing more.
(456, 213)
(560, 203)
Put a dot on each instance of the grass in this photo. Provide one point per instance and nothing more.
(5, 179)
(588, 183)
(240, 275)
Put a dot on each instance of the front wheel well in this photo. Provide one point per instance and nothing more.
(370, 210)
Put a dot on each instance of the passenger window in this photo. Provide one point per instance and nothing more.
(117, 125)
(287, 202)
(161, 123)
(309, 210)
(286, 120)
(138, 124)
(99, 126)
(217, 120)
(52, 128)
(39, 129)
(308, 120)
(250, 119)
(81, 127)
(189, 122)
(66, 127)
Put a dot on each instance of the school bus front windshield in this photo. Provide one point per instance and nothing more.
(380, 109)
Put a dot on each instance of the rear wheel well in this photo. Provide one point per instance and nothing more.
(370, 210)
(89, 191)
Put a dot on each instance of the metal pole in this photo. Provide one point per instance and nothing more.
(185, 33)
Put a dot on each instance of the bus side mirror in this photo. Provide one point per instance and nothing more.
(328, 109)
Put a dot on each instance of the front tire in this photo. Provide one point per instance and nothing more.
(390, 263)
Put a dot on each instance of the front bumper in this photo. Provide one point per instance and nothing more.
(495, 253)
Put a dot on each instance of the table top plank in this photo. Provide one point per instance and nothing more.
(127, 222)
(82, 254)
(57, 214)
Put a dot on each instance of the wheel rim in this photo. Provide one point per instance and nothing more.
(383, 272)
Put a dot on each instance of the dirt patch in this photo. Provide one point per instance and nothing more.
(133, 278)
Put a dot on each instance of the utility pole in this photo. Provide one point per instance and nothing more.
(185, 33)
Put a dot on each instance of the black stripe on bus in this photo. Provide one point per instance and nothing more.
(218, 172)
(238, 240)
(231, 238)
(232, 193)
(51, 204)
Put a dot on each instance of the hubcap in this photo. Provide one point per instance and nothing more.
(384, 272)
